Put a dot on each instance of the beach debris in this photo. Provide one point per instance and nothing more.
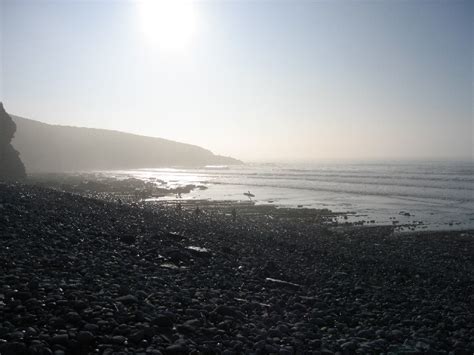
(282, 283)
(198, 249)
(172, 266)
(266, 305)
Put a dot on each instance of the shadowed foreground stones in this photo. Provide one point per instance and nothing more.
(128, 299)
(11, 167)
(72, 281)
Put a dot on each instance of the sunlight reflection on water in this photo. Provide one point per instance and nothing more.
(438, 194)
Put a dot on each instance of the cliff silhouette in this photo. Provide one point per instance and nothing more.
(11, 166)
(52, 148)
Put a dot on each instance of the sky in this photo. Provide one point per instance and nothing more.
(256, 80)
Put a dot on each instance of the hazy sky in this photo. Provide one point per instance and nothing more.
(255, 80)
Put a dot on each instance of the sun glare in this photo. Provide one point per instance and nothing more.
(168, 24)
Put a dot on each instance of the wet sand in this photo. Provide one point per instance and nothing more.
(87, 275)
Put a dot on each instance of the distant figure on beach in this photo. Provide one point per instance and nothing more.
(234, 214)
(249, 195)
(197, 211)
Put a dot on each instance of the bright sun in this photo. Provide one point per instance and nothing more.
(168, 24)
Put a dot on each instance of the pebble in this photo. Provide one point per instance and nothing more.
(128, 299)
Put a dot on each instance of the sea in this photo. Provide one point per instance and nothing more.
(422, 195)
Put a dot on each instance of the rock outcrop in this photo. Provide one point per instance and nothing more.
(11, 166)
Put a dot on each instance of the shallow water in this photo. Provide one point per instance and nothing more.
(436, 195)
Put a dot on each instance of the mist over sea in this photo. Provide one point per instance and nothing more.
(428, 195)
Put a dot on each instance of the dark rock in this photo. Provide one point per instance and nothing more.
(270, 349)
(226, 311)
(91, 327)
(85, 338)
(185, 329)
(38, 349)
(13, 348)
(61, 339)
(128, 239)
(315, 343)
(118, 339)
(127, 300)
(193, 323)
(23, 295)
(73, 317)
(274, 333)
(15, 336)
(79, 305)
(57, 322)
(349, 346)
(137, 336)
(365, 333)
(396, 334)
(163, 321)
(11, 167)
(176, 349)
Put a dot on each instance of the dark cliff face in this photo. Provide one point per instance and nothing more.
(11, 166)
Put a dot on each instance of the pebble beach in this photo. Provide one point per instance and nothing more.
(81, 275)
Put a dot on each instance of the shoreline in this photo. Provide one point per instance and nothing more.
(329, 217)
(129, 189)
(81, 275)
